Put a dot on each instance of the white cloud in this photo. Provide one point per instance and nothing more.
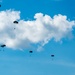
(38, 31)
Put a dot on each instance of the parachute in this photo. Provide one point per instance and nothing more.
(16, 22)
(52, 55)
(2, 46)
(30, 51)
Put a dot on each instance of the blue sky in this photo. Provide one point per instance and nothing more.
(17, 62)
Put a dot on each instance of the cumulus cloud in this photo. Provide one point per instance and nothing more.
(32, 32)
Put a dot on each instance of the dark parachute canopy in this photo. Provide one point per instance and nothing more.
(30, 51)
(3, 45)
(16, 22)
(52, 55)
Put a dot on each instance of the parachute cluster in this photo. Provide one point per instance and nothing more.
(2, 46)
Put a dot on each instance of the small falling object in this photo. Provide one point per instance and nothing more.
(0, 5)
